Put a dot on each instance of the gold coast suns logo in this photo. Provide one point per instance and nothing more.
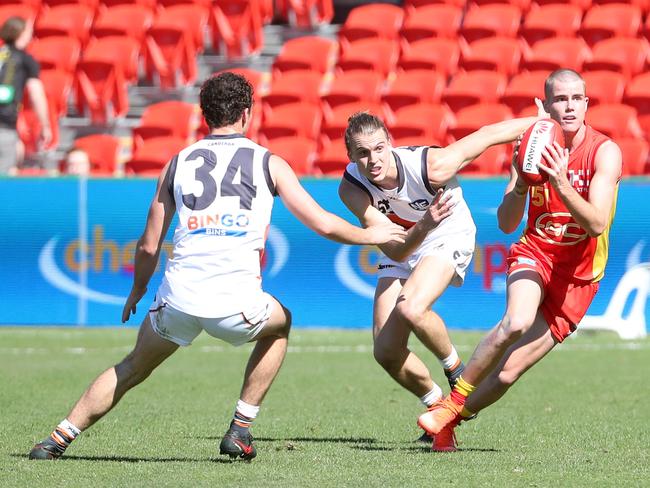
(560, 229)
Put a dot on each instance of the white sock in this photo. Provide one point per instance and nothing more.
(432, 397)
(69, 428)
(247, 410)
(451, 360)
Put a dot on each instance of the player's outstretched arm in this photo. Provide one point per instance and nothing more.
(359, 204)
(593, 214)
(147, 251)
(444, 163)
(304, 207)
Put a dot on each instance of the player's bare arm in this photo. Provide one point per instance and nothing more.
(594, 213)
(359, 204)
(328, 225)
(444, 163)
(512, 207)
(147, 251)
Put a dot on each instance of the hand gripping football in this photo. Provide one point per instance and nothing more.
(538, 135)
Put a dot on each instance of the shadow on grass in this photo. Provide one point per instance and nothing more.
(129, 459)
(333, 440)
(422, 448)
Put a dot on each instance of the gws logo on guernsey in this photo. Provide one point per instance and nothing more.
(421, 204)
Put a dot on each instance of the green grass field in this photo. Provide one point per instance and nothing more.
(333, 417)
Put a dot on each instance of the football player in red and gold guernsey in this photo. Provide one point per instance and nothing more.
(555, 267)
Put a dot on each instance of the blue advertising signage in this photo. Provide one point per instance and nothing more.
(68, 248)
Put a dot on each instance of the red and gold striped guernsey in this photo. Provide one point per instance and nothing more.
(551, 229)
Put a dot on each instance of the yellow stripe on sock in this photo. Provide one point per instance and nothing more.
(463, 387)
(466, 413)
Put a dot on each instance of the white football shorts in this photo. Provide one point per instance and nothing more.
(182, 328)
(457, 248)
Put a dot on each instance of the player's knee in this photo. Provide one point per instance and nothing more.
(409, 312)
(512, 327)
(132, 370)
(385, 356)
(508, 377)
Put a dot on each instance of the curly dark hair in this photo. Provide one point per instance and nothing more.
(224, 97)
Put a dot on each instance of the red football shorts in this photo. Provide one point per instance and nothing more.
(565, 302)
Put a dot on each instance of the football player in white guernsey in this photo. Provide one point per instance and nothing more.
(222, 189)
(416, 187)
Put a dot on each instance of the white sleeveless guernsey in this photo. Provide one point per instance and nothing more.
(223, 192)
(406, 204)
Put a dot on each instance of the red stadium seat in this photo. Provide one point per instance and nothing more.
(522, 90)
(635, 156)
(623, 55)
(583, 4)
(291, 120)
(168, 118)
(436, 20)
(151, 157)
(611, 20)
(299, 152)
(292, 87)
(306, 53)
(373, 20)
(34, 5)
(332, 160)
(412, 5)
(305, 13)
(501, 54)
(615, 120)
(200, 4)
(644, 5)
(378, 55)
(92, 4)
(149, 4)
(472, 118)
(637, 95)
(123, 20)
(416, 141)
(56, 52)
(27, 12)
(123, 51)
(65, 20)
(494, 161)
(103, 151)
(237, 27)
(413, 87)
(439, 54)
(335, 121)
(107, 66)
(471, 87)
(542, 23)
(491, 20)
(57, 85)
(170, 56)
(427, 121)
(522, 5)
(353, 86)
(604, 87)
(552, 54)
